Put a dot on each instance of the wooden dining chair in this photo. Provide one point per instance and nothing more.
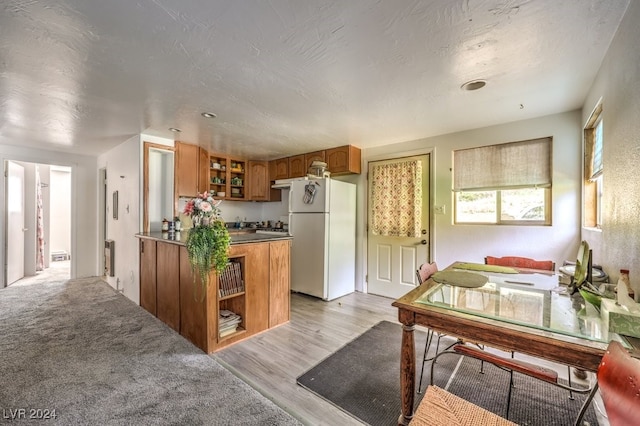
(423, 273)
(521, 262)
(510, 365)
(619, 383)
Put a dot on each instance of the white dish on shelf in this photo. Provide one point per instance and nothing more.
(221, 194)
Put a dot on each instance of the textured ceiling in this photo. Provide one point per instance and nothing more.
(289, 76)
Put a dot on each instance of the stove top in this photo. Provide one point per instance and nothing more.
(276, 231)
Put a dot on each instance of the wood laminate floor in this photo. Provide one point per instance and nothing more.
(272, 361)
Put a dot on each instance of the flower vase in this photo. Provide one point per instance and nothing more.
(205, 221)
(195, 221)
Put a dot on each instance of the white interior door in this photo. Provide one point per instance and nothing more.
(392, 261)
(15, 222)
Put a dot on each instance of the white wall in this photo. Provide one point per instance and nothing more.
(471, 243)
(617, 245)
(60, 209)
(160, 203)
(123, 165)
(83, 211)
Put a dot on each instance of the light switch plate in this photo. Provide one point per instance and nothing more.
(439, 209)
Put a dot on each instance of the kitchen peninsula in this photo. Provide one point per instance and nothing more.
(257, 300)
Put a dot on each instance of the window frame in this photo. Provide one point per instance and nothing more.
(515, 179)
(547, 221)
(592, 184)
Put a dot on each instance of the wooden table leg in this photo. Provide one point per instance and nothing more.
(407, 368)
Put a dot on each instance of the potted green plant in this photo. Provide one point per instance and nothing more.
(207, 241)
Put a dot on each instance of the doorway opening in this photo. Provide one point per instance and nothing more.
(38, 223)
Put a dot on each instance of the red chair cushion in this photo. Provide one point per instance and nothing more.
(520, 262)
(619, 382)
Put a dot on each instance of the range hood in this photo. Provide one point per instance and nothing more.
(286, 183)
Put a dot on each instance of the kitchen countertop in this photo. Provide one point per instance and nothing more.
(243, 238)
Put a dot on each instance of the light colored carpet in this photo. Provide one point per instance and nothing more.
(93, 356)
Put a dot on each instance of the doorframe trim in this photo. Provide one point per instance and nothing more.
(37, 159)
(382, 157)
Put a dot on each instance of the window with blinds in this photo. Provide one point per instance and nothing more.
(506, 183)
(593, 169)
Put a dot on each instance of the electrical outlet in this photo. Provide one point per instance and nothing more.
(439, 209)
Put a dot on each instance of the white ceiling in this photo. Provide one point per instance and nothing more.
(289, 76)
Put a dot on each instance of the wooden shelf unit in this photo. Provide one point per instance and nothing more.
(217, 174)
(169, 290)
(227, 175)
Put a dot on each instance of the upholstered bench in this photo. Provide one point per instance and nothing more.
(441, 408)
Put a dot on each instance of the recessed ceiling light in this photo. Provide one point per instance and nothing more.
(208, 115)
(473, 85)
(175, 129)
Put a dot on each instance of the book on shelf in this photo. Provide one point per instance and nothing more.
(228, 332)
(228, 320)
(231, 280)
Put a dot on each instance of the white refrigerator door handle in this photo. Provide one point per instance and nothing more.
(290, 224)
(290, 198)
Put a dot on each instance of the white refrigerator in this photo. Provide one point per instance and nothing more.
(322, 221)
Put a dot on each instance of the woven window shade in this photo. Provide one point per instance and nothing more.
(504, 166)
(597, 163)
(593, 145)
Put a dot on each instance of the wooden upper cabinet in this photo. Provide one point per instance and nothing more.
(310, 157)
(297, 167)
(203, 170)
(260, 183)
(186, 169)
(343, 160)
(279, 169)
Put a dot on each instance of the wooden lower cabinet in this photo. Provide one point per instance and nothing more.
(180, 303)
(256, 280)
(167, 285)
(198, 311)
(279, 283)
(148, 275)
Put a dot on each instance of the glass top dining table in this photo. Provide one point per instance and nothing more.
(528, 298)
(525, 311)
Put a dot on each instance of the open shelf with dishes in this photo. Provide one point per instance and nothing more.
(217, 175)
(237, 179)
(227, 177)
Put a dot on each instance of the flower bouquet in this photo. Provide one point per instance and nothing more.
(208, 240)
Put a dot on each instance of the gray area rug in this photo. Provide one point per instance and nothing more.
(363, 379)
(96, 358)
